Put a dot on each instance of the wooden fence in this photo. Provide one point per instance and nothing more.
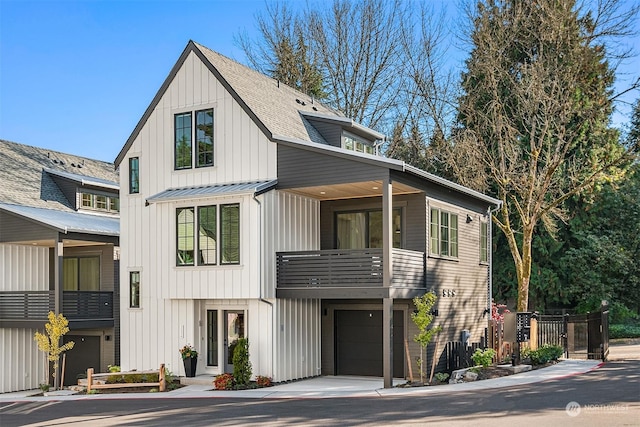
(161, 384)
(459, 354)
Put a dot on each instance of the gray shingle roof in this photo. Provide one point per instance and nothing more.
(277, 109)
(24, 181)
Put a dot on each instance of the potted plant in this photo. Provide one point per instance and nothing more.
(190, 360)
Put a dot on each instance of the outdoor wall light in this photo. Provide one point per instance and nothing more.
(469, 218)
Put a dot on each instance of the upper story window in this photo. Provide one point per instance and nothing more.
(189, 127)
(352, 142)
(134, 175)
(363, 229)
(204, 247)
(100, 202)
(444, 233)
(484, 242)
(81, 273)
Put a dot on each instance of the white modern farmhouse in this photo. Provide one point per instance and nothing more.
(249, 209)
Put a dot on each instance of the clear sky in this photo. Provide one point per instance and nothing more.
(76, 76)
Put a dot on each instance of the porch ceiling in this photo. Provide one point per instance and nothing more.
(49, 243)
(351, 190)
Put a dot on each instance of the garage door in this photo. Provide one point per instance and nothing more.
(358, 342)
(84, 354)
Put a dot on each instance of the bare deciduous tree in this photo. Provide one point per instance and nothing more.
(535, 116)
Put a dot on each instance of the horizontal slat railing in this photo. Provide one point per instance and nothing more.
(35, 305)
(87, 304)
(26, 305)
(347, 268)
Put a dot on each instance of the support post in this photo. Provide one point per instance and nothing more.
(57, 293)
(162, 379)
(387, 262)
(89, 379)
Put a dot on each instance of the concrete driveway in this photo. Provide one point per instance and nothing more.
(625, 349)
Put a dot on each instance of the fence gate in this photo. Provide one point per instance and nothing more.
(583, 336)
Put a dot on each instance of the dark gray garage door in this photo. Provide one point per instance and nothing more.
(358, 345)
(84, 354)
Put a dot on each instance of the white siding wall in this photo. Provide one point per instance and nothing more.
(168, 315)
(297, 339)
(22, 268)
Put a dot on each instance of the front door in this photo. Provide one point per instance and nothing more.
(234, 330)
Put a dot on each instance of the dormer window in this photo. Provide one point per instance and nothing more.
(355, 143)
(99, 202)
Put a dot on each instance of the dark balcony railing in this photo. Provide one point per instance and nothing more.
(348, 268)
(35, 305)
(87, 305)
(21, 305)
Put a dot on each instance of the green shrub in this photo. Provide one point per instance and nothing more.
(133, 378)
(624, 331)
(241, 364)
(441, 376)
(483, 358)
(151, 378)
(169, 379)
(545, 354)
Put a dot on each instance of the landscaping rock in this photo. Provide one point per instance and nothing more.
(470, 376)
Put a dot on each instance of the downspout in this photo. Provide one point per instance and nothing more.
(260, 280)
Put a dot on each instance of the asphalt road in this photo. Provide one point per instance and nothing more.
(608, 396)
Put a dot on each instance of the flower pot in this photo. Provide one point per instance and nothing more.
(190, 364)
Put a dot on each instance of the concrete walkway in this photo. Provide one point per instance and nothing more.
(329, 387)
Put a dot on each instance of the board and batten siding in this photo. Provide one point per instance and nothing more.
(22, 268)
(169, 295)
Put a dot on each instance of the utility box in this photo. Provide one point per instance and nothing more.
(523, 326)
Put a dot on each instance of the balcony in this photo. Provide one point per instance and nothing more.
(348, 273)
(83, 309)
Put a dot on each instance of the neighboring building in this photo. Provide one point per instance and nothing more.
(249, 209)
(58, 251)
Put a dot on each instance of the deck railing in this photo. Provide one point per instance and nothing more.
(35, 305)
(348, 267)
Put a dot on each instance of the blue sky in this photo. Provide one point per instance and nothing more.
(76, 76)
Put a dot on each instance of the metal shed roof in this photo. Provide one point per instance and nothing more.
(185, 193)
(67, 221)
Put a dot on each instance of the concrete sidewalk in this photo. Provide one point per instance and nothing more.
(329, 387)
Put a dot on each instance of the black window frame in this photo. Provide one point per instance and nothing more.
(367, 213)
(134, 175)
(134, 289)
(198, 157)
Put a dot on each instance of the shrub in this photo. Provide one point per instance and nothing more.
(169, 379)
(44, 387)
(263, 381)
(241, 363)
(151, 378)
(223, 382)
(545, 354)
(483, 358)
(624, 331)
(133, 378)
(441, 376)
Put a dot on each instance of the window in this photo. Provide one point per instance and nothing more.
(230, 234)
(207, 241)
(185, 223)
(100, 202)
(187, 131)
(444, 233)
(484, 241)
(212, 221)
(134, 289)
(352, 142)
(81, 273)
(183, 140)
(363, 229)
(134, 175)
